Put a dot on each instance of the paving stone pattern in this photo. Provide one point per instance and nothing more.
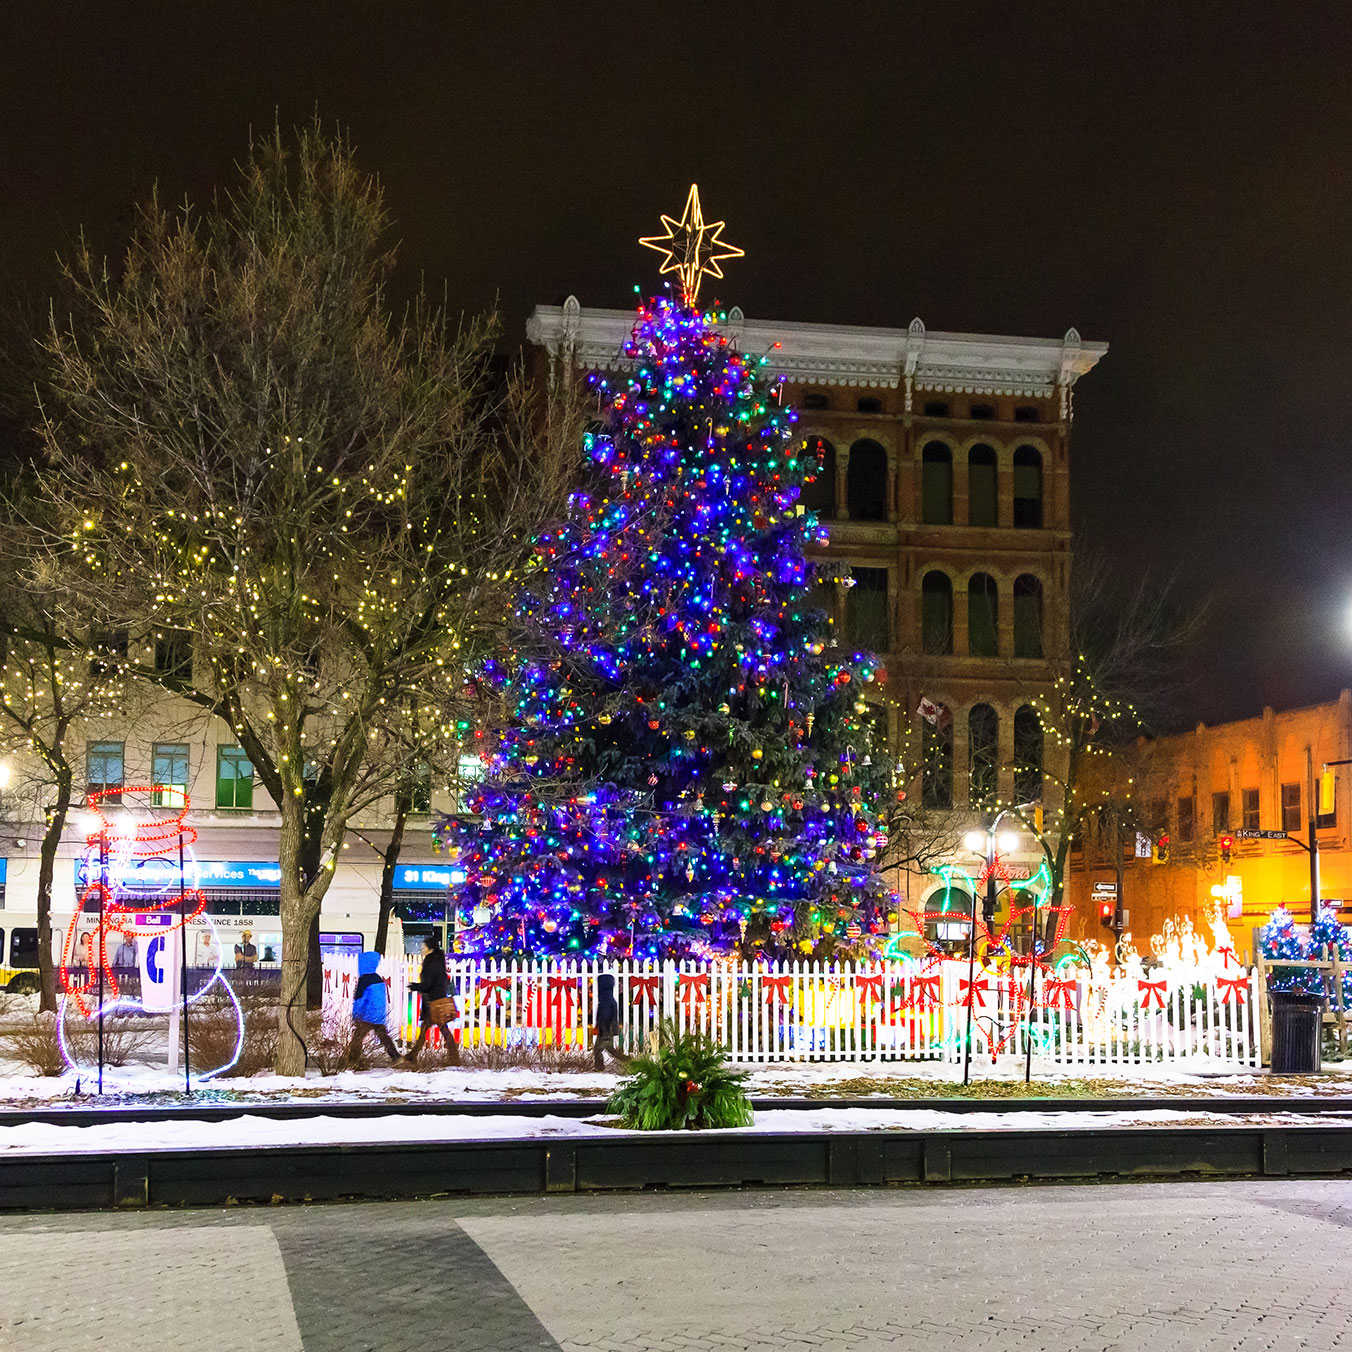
(1135, 1268)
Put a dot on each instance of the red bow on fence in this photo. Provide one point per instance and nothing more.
(562, 991)
(871, 986)
(968, 989)
(1234, 987)
(776, 987)
(1227, 955)
(1057, 994)
(693, 984)
(494, 986)
(1151, 988)
(645, 987)
(925, 991)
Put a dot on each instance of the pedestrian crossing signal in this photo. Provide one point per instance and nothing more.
(1106, 910)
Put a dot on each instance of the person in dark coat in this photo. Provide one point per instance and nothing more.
(438, 1006)
(607, 1020)
(368, 1010)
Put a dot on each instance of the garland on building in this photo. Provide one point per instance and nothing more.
(686, 770)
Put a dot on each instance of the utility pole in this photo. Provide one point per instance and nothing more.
(1312, 815)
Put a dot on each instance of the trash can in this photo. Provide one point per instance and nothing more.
(1296, 1031)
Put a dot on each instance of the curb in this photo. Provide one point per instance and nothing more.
(589, 1107)
(549, 1166)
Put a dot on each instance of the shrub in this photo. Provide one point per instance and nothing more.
(684, 1084)
(37, 1046)
(125, 1038)
(212, 1031)
(329, 1035)
(526, 1056)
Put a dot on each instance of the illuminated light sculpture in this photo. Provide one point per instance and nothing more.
(155, 853)
(691, 247)
(685, 768)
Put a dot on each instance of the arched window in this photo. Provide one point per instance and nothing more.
(1027, 755)
(820, 494)
(936, 743)
(983, 616)
(983, 738)
(1027, 616)
(867, 485)
(936, 619)
(949, 934)
(982, 502)
(936, 485)
(1027, 488)
(866, 610)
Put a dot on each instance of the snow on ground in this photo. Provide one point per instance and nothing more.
(243, 1133)
(863, 1079)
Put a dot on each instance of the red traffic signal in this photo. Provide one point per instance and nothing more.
(1106, 910)
(1227, 844)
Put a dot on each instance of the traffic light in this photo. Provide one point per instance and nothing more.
(1227, 844)
(1159, 852)
(1106, 910)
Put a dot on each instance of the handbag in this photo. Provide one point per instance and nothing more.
(442, 1011)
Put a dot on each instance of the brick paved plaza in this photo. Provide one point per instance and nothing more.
(1258, 1265)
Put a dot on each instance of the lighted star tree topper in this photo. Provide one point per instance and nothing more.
(687, 769)
(692, 248)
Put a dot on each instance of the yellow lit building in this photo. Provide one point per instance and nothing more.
(1203, 787)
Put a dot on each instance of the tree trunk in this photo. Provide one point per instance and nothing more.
(317, 798)
(403, 803)
(51, 839)
(300, 907)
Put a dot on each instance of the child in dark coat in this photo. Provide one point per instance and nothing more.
(607, 1020)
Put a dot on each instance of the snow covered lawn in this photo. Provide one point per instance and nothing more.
(247, 1132)
(391, 1085)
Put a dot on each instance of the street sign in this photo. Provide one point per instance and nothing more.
(1105, 889)
(1261, 835)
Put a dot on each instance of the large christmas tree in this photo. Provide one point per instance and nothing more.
(686, 770)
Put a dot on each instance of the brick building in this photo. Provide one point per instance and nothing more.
(946, 483)
(1202, 786)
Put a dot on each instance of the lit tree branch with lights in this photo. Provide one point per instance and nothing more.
(56, 686)
(1123, 680)
(336, 504)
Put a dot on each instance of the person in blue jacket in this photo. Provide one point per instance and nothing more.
(368, 1010)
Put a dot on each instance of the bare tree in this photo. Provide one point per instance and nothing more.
(336, 504)
(1126, 675)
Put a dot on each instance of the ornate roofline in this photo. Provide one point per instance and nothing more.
(848, 354)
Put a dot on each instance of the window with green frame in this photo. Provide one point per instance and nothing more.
(169, 774)
(234, 777)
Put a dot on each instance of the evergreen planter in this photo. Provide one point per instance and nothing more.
(1296, 1030)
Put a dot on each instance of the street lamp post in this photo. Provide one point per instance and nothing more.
(982, 843)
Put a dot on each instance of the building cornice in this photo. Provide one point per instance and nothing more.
(847, 354)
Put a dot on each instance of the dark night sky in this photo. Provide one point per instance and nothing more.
(1173, 179)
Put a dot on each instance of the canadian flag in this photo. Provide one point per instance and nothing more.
(938, 714)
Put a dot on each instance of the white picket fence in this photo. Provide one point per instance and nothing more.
(808, 1011)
